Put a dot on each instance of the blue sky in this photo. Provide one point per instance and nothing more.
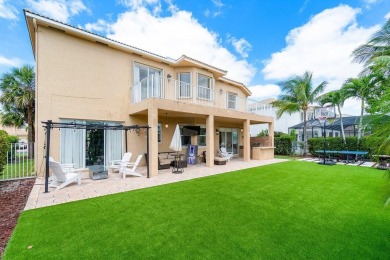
(258, 42)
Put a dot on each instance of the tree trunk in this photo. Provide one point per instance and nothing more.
(31, 131)
(361, 121)
(341, 124)
(304, 134)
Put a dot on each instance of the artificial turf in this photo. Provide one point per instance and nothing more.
(287, 210)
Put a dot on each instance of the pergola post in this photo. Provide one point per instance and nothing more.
(48, 129)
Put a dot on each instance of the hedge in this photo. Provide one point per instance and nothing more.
(283, 145)
(367, 143)
(4, 146)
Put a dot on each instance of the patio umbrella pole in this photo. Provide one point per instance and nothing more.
(48, 129)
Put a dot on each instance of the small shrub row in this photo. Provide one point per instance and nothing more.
(366, 143)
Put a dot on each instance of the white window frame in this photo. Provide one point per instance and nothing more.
(180, 82)
(231, 94)
(211, 87)
(162, 87)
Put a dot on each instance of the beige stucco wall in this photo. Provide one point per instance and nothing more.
(19, 132)
(80, 79)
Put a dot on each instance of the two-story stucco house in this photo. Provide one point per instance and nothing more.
(86, 78)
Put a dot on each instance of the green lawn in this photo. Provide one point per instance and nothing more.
(287, 210)
(17, 170)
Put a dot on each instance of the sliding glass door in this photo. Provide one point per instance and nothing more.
(228, 137)
(85, 148)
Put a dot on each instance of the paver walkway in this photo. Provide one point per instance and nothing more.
(116, 184)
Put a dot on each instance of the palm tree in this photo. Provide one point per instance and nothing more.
(335, 98)
(18, 99)
(298, 94)
(377, 48)
(359, 88)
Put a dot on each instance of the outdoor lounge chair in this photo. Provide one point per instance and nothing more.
(118, 165)
(224, 154)
(63, 178)
(131, 171)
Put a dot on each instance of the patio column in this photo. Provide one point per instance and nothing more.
(153, 141)
(247, 140)
(271, 133)
(210, 132)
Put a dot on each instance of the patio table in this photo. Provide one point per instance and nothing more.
(177, 166)
(97, 172)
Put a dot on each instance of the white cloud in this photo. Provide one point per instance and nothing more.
(242, 46)
(60, 10)
(369, 3)
(9, 62)
(174, 35)
(324, 46)
(99, 26)
(260, 92)
(7, 11)
(209, 13)
(387, 16)
(218, 3)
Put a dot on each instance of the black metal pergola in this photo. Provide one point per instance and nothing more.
(49, 124)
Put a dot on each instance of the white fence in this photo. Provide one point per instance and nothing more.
(19, 163)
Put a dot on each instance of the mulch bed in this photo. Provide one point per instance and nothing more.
(13, 198)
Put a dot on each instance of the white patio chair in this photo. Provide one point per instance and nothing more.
(117, 165)
(67, 167)
(63, 178)
(131, 171)
(225, 154)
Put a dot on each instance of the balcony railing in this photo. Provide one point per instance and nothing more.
(157, 87)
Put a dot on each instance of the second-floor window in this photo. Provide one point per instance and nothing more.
(204, 87)
(184, 85)
(147, 82)
(232, 101)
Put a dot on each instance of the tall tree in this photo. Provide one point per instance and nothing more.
(377, 48)
(359, 88)
(335, 98)
(298, 95)
(18, 99)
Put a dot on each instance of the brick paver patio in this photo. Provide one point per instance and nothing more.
(115, 183)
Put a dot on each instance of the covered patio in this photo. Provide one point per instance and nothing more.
(116, 184)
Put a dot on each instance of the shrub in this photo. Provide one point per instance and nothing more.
(283, 144)
(13, 139)
(367, 143)
(4, 146)
(278, 134)
(263, 133)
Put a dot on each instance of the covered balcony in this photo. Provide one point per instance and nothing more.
(157, 87)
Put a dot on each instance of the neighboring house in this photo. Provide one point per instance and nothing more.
(86, 78)
(332, 128)
(282, 124)
(19, 132)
